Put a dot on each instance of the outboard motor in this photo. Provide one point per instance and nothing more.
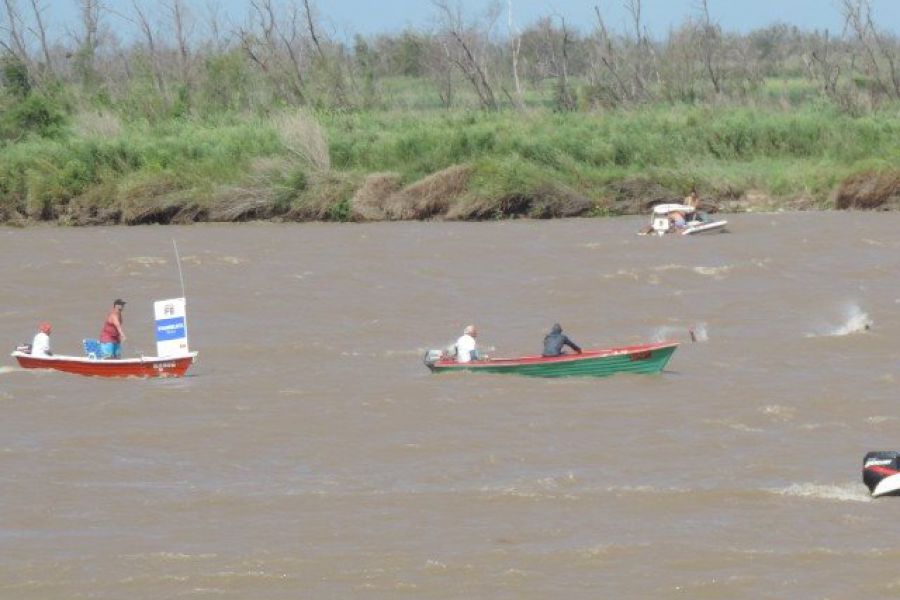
(432, 356)
(881, 473)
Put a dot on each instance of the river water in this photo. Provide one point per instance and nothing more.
(310, 454)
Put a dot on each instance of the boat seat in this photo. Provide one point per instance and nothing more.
(92, 348)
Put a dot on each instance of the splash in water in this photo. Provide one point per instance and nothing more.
(699, 333)
(695, 333)
(855, 321)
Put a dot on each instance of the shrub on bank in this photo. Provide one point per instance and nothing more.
(471, 165)
(39, 177)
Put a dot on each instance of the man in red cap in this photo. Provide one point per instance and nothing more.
(40, 346)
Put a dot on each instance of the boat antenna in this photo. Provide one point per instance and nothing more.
(183, 293)
(180, 274)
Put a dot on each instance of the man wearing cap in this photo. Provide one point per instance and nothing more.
(466, 348)
(112, 335)
(40, 346)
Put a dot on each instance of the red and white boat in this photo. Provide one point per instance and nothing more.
(144, 366)
(173, 360)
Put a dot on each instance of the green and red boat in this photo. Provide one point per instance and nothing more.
(645, 358)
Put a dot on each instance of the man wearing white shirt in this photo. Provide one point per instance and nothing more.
(466, 348)
(40, 346)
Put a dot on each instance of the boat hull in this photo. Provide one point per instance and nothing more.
(646, 358)
(147, 366)
(704, 228)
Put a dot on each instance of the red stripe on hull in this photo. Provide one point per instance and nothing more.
(151, 367)
(635, 353)
(883, 471)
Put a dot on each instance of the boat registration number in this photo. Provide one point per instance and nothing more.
(165, 365)
(641, 355)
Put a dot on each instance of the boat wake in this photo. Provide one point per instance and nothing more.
(393, 353)
(652, 274)
(715, 272)
(147, 261)
(855, 321)
(843, 493)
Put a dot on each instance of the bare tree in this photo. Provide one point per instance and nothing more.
(294, 53)
(462, 43)
(880, 53)
(641, 43)
(15, 43)
(436, 62)
(711, 47)
(293, 45)
(824, 67)
(260, 42)
(182, 26)
(682, 69)
(220, 32)
(311, 24)
(40, 31)
(214, 25)
(153, 53)
(330, 67)
(554, 51)
(515, 45)
(88, 40)
(607, 54)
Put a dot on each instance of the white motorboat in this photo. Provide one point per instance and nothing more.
(664, 217)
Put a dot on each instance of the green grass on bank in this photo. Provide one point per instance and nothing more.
(787, 152)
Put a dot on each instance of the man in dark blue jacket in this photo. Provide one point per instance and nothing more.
(555, 340)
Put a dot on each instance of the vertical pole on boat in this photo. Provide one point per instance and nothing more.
(180, 275)
(183, 293)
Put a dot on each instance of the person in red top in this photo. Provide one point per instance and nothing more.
(112, 335)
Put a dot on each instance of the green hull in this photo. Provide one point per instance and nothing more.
(650, 358)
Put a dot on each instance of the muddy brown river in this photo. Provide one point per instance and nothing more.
(310, 454)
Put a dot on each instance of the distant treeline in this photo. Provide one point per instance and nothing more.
(180, 59)
(190, 117)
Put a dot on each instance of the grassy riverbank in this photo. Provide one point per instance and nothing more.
(96, 168)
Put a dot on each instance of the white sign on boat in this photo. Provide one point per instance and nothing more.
(171, 327)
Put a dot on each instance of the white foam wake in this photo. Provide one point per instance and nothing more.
(855, 321)
(855, 492)
(716, 272)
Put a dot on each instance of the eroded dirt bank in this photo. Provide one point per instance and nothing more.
(445, 195)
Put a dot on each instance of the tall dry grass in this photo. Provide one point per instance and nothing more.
(100, 124)
(303, 136)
